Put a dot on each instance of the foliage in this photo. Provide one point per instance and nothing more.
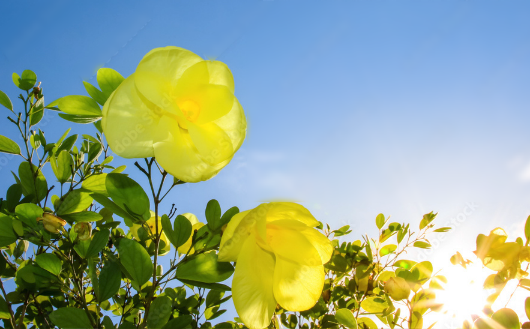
(83, 249)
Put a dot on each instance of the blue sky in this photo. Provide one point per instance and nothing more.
(355, 107)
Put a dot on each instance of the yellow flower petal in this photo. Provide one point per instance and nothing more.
(220, 74)
(234, 125)
(290, 210)
(158, 73)
(212, 101)
(286, 241)
(212, 142)
(297, 287)
(252, 286)
(175, 152)
(232, 242)
(129, 124)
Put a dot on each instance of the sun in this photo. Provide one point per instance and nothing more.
(463, 294)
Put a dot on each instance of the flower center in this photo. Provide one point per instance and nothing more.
(191, 111)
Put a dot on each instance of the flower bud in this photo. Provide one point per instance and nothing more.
(397, 288)
(83, 230)
(51, 222)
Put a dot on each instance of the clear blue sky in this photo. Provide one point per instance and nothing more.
(354, 107)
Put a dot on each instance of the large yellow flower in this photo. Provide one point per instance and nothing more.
(180, 109)
(279, 257)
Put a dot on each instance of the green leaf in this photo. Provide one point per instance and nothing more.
(213, 214)
(94, 152)
(114, 208)
(374, 304)
(82, 119)
(79, 105)
(213, 297)
(81, 247)
(4, 309)
(62, 165)
(136, 260)
(14, 192)
(37, 112)
(128, 194)
(367, 323)
(427, 219)
(388, 249)
(67, 143)
(99, 241)
(442, 229)
(404, 264)
(83, 216)
(345, 317)
(227, 216)
(204, 268)
(527, 229)
(7, 235)
(507, 318)
(75, 201)
(70, 317)
(108, 81)
(96, 184)
(26, 81)
(95, 93)
(422, 245)
(8, 146)
(30, 185)
(380, 221)
(109, 281)
(49, 262)
(159, 313)
(107, 323)
(181, 233)
(28, 213)
(217, 286)
(4, 100)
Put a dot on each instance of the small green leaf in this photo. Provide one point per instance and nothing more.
(181, 233)
(213, 214)
(216, 286)
(14, 192)
(4, 100)
(160, 312)
(108, 81)
(422, 245)
(62, 165)
(136, 260)
(527, 307)
(95, 93)
(380, 221)
(99, 241)
(404, 264)
(507, 318)
(109, 281)
(427, 219)
(37, 112)
(67, 143)
(388, 249)
(70, 317)
(128, 194)
(32, 186)
(28, 213)
(7, 235)
(527, 229)
(8, 146)
(26, 81)
(75, 201)
(442, 229)
(83, 216)
(96, 184)
(4, 309)
(79, 105)
(82, 119)
(49, 262)
(204, 268)
(181, 322)
(345, 317)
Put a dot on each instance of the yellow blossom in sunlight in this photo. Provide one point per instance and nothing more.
(397, 288)
(51, 222)
(83, 230)
(195, 225)
(180, 109)
(279, 257)
(150, 228)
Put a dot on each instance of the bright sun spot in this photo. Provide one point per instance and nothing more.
(464, 293)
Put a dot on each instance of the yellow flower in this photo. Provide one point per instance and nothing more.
(397, 288)
(150, 226)
(195, 225)
(180, 109)
(279, 257)
(51, 222)
(83, 230)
